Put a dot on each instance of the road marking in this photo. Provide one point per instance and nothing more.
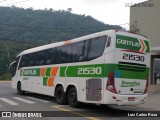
(38, 99)
(24, 100)
(8, 101)
(73, 112)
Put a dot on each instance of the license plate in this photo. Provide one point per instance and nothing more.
(131, 98)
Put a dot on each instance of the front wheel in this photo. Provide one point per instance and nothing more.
(72, 97)
(19, 89)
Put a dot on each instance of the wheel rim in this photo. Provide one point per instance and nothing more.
(59, 95)
(19, 87)
(73, 97)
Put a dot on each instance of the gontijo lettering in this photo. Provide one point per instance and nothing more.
(29, 72)
(127, 42)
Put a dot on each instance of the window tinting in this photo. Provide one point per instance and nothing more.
(31, 59)
(64, 54)
(77, 52)
(27, 60)
(24, 61)
(80, 51)
(51, 56)
(40, 58)
(96, 47)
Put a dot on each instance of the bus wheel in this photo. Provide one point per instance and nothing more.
(19, 90)
(60, 96)
(72, 97)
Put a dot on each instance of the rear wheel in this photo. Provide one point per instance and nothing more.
(60, 96)
(19, 89)
(72, 97)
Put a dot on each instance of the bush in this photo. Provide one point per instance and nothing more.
(6, 76)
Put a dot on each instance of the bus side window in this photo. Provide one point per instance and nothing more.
(23, 62)
(96, 47)
(108, 42)
(77, 52)
(86, 48)
(40, 58)
(64, 54)
(31, 60)
(51, 56)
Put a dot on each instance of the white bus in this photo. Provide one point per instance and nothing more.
(108, 67)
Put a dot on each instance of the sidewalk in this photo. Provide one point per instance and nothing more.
(153, 101)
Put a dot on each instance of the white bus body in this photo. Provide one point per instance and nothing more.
(108, 67)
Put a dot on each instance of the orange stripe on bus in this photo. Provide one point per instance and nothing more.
(50, 81)
(143, 46)
(67, 42)
(54, 71)
(43, 71)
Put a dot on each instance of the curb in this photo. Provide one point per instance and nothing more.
(5, 81)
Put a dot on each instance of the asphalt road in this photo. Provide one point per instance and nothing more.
(25, 105)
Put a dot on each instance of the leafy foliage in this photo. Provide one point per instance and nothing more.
(44, 25)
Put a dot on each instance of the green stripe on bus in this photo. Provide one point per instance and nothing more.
(147, 45)
(94, 70)
(62, 71)
(108, 68)
(132, 74)
(72, 71)
(130, 43)
(45, 81)
(82, 71)
(30, 72)
(48, 71)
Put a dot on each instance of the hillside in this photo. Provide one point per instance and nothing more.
(43, 25)
(37, 27)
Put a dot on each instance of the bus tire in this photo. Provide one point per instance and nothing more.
(19, 89)
(72, 97)
(60, 95)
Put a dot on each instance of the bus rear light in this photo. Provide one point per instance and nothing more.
(116, 30)
(146, 87)
(110, 83)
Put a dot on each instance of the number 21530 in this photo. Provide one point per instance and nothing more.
(133, 57)
(90, 70)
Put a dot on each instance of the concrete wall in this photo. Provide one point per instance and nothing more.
(147, 20)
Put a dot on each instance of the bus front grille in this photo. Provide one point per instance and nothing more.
(131, 66)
